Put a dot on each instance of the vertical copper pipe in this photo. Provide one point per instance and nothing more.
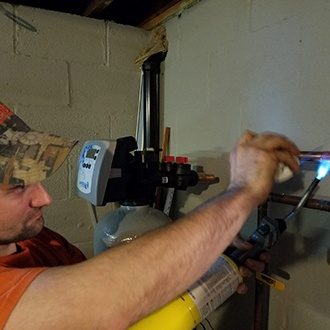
(261, 298)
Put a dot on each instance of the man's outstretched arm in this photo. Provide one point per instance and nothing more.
(124, 284)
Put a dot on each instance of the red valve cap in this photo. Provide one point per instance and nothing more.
(182, 160)
(169, 159)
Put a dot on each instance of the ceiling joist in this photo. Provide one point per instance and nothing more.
(146, 14)
(95, 7)
(163, 15)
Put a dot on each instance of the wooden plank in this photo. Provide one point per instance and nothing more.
(95, 6)
(176, 9)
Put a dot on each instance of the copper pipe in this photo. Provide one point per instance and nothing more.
(202, 176)
(314, 156)
(316, 204)
(261, 293)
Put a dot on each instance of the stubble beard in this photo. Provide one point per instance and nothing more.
(28, 231)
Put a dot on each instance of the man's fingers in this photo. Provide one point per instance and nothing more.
(242, 288)
(254, 265)
(289, 159)
(265, 257)
(245, 272)
(272, 142)
(246, 137)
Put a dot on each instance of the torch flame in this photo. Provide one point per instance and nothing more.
(323, 169)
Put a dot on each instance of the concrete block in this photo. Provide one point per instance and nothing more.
(104, 90)
(123, 126)
(7, 30)
(124, 45)
(62, 37)
(37, 81)
(71, 219)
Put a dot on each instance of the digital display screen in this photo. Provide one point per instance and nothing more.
(91, 153)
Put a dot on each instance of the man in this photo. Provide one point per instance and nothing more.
(126, 283)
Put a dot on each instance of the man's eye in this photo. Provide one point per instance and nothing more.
(20, 187)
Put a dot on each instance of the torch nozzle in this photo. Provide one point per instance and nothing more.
(304, 198)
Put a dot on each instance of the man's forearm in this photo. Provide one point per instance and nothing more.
(164, 266)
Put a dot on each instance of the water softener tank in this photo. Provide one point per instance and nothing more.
(125, 224)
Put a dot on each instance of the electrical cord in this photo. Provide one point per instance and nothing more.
(19, 21)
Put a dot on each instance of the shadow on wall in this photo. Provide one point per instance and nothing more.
(236, 313)
(285, 254)
(306, 256)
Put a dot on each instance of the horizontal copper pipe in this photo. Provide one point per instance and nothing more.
(314, 155)
(316, 204)
(202, 176)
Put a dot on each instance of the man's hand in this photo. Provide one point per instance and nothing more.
(255, 160)
(251, 265)
(254, 163)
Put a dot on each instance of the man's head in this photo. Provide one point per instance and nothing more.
(27, 157)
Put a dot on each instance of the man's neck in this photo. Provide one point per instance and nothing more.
(6, 250)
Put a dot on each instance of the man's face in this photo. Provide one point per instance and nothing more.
(21, 211)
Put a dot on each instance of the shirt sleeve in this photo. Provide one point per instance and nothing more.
(53, 243)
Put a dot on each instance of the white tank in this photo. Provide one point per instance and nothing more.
(125, 224)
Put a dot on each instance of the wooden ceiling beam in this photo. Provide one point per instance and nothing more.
(161, 17)
(95, 6)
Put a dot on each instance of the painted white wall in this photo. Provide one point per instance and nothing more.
(75, 77)
(261, 65)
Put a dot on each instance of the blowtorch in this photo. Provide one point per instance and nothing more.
(223, 278)
(269, 230)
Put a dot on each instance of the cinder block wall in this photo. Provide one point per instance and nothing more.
(75, 77)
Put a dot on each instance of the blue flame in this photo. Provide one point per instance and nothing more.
(323, 169)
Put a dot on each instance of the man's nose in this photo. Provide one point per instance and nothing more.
(40, 196)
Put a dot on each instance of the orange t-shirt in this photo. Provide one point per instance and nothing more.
(17, 271)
